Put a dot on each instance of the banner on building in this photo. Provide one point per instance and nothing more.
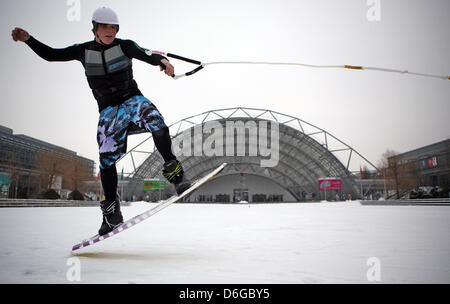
(330, 184)
(432, 162)
(4, 184)
(154, 184)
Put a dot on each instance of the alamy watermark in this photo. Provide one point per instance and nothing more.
(229, 139)
(74, 11)
(73, 274)
(374, 11)
(374, 272)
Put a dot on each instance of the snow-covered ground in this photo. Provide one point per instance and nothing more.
(242, 243)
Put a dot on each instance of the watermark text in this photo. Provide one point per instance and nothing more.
(230, 139)
(374, 11)
(74, 11)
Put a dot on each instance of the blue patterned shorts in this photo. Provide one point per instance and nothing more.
(135, 115)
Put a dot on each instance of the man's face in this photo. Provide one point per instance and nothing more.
(106, 33)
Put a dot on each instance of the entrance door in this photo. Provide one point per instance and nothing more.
(240, 195)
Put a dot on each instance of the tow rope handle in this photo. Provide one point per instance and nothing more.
(200, 65)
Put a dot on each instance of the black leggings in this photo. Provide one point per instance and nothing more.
(108, 175)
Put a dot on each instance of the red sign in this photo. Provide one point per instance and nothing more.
(330, 184)
(432, 162)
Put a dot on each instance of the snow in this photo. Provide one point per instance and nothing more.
(235, 243)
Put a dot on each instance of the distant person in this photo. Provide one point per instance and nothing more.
(123, 109)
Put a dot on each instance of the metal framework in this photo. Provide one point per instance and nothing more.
(306, 153)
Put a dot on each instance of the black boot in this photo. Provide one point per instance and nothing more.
(173, 171)
(112, 217)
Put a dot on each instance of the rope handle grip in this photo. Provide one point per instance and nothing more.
(200, 65)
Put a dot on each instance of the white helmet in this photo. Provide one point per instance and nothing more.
(105, 15)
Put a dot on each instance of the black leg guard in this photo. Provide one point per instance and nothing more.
(163, 144)
(109, 182)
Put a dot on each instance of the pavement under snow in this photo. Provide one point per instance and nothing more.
(342, 242)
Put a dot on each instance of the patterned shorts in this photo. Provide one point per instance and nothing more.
(135, 115)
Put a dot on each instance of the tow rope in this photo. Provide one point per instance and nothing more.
(201, 65)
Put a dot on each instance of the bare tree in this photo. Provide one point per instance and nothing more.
(49, 164)
(76, 172)
(401, 175)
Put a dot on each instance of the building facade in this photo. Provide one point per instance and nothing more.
(19, 169)
(432, 164)
(271, 157)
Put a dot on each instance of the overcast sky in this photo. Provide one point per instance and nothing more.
(370, 111)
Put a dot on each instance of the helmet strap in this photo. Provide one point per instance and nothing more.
(98, 37)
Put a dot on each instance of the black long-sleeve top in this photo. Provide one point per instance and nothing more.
(108, 68)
